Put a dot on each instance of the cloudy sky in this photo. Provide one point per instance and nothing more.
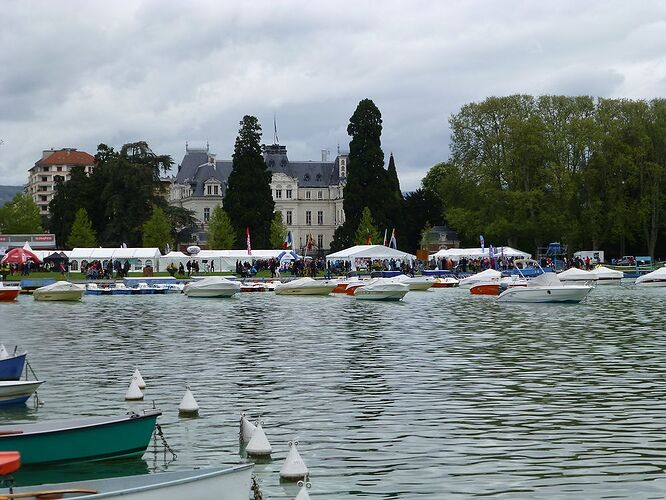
(74, 74)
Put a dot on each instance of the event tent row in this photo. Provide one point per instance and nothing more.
(474, 253)
(359, 254)
(225, 260)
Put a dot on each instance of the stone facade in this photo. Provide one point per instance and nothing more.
(309, 194)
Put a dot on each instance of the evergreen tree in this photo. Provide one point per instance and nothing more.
(83, 235)
(20, 216)
(249, 201)
(221, 233)
(157, 230)
(78, 192)
(366, 229)
(278, 231)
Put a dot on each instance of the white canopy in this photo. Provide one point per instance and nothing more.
(151, 254)
(372, 252)
(575, 274)
(473, 253)
(225, 260)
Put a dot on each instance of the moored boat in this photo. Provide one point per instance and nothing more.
(607, 276)
(59, 291)
(574, 275)
(17, 391)
(485, 288)
(381, 289)
(445, 282)
(305, 286)
(9, 292)
(89, 438)
(654, 279)
(545, 288)
(488, 274)
(11, 367)
(415, 283)
(211, 287)
(233, 483)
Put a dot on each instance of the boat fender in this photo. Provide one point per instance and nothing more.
(293, 467)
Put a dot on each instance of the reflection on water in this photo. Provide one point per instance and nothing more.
(442, 396)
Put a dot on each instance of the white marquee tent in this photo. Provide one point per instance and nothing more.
(138, 257)
(359, 253)
(473, 253)
(225, 260)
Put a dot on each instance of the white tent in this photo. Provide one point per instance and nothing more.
(138, 257)
(224, 260)
(474, 253)
(359, 253)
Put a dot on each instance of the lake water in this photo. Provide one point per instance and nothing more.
(445, 395)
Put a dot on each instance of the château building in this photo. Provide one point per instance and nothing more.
(309, 194)
(42, 176)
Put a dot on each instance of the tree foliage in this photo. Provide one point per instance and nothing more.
(366, 229)
(248, 200)
(221, 233)
(528, 170)
(83, 235)
(278, 231)
(20, 216)
(157, 230)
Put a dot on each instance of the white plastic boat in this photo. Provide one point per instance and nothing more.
(445, 283)
(654, 279)
(487, 275)
(607, 276)
(415, 283)
(60, 290)
(17, 391)
(199, 484)
(381, 289)
(545, 288)
(577, 276)
(305, 286)
(213, 286)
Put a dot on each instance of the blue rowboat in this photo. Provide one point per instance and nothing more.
(11, 368)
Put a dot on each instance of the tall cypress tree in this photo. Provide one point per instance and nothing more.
(249, 201)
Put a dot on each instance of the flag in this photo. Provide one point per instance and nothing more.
(385, 240)
(393, 243)
(491, 251)
(482, 243)
(167, 248)
(369, 240)
(288, 241)
(249, 248)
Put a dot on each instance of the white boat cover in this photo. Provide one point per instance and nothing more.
(61, 286)
(545, 279)
(575, 274)
(658, 275)
(487, 275)
(603, 272)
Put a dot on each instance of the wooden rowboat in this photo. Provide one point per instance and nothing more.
(90, 438)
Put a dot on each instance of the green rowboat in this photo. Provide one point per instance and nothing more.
(91, 438)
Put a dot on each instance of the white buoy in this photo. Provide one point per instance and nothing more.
(258, 445)
(188, 405)
(303, 493)
(139, 379)
(3, 352)
(133, 392)
(246, 429)
(293, 467)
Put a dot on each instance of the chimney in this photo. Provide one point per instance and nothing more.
(46, 153)
(324, 155)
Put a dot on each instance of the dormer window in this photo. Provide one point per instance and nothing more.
(343, 167)
(271, 163)
(318, 177)
(306, 177)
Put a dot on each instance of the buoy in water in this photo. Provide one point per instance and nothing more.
(246, 429)
(133, 392)
(293, 467)
(139, 379)
(259, 445)
(188, 405)
(3, 352)
(303, 493)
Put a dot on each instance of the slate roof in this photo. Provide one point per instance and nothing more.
(195, 170)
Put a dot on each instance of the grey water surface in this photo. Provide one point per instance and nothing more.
(445, 395)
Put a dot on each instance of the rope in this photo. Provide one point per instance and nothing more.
(164, 442)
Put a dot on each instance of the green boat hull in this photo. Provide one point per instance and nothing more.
(115, 438)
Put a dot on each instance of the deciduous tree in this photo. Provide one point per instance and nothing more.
(82, 235)
(221, 233)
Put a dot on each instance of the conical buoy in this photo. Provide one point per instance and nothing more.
(3, 352)
(303, 493)
(188, 405)
(293, 467)
(139, 379)
(246, 429)
(258, 445)
(133, 392)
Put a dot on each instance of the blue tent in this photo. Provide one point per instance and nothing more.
(289, 255)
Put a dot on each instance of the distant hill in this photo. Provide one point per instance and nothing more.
(8, 192)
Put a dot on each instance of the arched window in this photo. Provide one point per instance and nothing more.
(138, 265)
(149, 263)
(74, 266)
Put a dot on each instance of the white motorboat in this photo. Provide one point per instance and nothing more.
(574, 276)
(607, 276)
(546, 287)
(483, 276)
(60, 290)
(445, 282)
(17, 391)
(305, 286)
(653, 279)
(198, 484)
(213, 286)
(415, 283)
(381, 289)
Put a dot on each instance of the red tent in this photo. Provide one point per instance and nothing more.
(20, 256)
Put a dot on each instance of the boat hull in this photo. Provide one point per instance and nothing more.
(8, 294)
(199, 484)
(379, 295)
(572, 294)
(67, 296)
(609, 281)
(12, 368)
(211, 293)
(652, 284)
(80, 439)
(17, 392)
(485, 289)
